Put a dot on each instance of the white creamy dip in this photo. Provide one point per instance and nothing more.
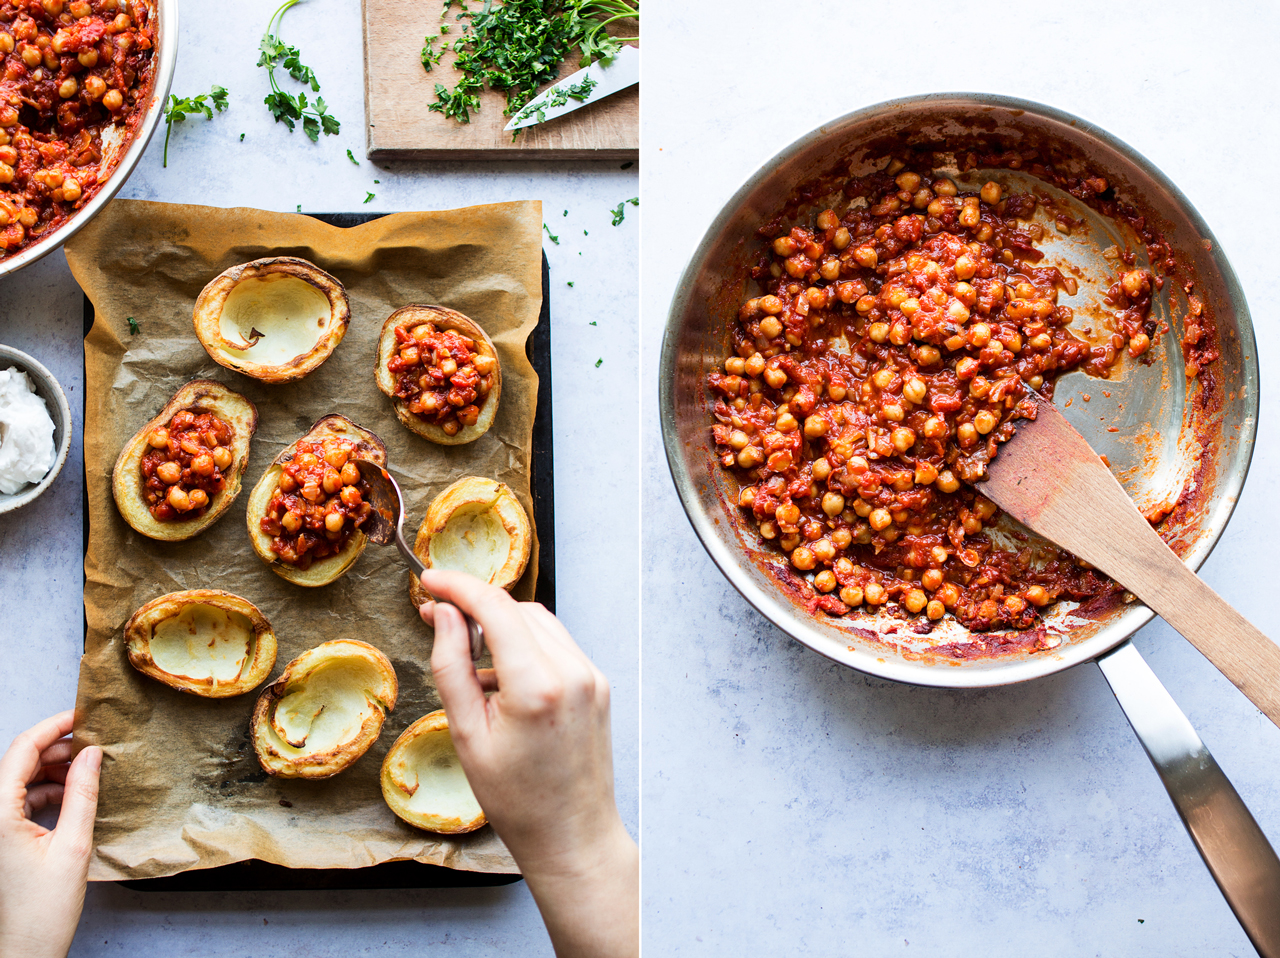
(26, 433)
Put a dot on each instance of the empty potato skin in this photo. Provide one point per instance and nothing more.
(329, 763)
(368, 446)
(472, 491)
(208, 312)
(198, 396)
(442, 318)
(397, 798)
(141, 625)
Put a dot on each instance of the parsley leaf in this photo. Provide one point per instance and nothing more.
(598, 362)
(133, 326)
(619, 214)
(177, 110)
(368, 197)
(570, 284)
(555, 239)
(593, 323)
(351, 157)
(285, 108)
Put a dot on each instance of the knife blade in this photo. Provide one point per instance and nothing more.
(580, 89)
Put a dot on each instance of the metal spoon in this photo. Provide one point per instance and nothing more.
(385, 524)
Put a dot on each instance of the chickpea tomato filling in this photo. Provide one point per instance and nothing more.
(886, 361)
(69, 69)
(183, 465)
(441, 376)
(319, 503)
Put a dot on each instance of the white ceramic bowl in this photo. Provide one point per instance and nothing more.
(55, 400)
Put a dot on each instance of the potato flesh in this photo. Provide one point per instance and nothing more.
(326, 709)
(429, 772)
(474, 541)
(203, 642)
(289, 313)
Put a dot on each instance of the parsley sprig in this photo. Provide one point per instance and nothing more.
(518, 46)
(285, 108)
(177, 110)
(620, 212)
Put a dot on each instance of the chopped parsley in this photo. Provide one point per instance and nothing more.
(368, 197)
(430, 55)
(566, 212)
(352, 158)
(570, 284)
(285, 108)
(559, 97)
(133, 326)
(555, 239)
(178, 110)
(598, 362)
(592, 323)
(619, 213)
(517, 47)
(241, 137)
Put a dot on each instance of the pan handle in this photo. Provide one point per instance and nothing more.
(1238, 854)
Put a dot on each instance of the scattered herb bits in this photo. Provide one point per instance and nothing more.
(352, 158)
(555, 239)
(598, 362)
(368, 197)
(133, 326)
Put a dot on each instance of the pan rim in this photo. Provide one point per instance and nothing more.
(988, 673)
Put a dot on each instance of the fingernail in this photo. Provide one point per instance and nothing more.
(95, 758)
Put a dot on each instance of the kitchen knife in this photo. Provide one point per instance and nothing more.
(580, 89)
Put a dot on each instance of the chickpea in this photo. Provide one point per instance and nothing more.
(738, 440)
(914, 390)
(52, 7)
(770, 327)
(169, 472)
(1139, 344)
(203, 464)
(926, 473)
(851, 595)
(775, 377)
(915, 601)
(68, 88)
(931, 579)
(735, 365)
(880, 519)
(938, 554)
(903, 438)
(769, 529)
(947, 481)
(222, 457)
(825, 581)
(893, 412)
(965, 267)
(788, 514)
(333, 521)
(833, 504)
(70, 191)
(842, 239)
(802, 558)
(878, 332)
(332, 482)
(966, 434)
(31, 55)
(291, 521)
(935, 609)
(95, 86)
(816, 426)
(786, 423)
(1135, 283)
(350, 497)
(747, 497)
(865, 256)
(178, 499)
(949, 594)
(985, 421)
(990, 193)
(120, 24)
(80, 9)
(771, 305)
(865, 305)
(908, 181)
(113, 100)
(755, 364)
(159, 437)
(836, 390)
(197, 498)
(929, 356)
(972, 524)
(944, 187)
(874, 594)
(311, 492)
(841, 539)
(784, 246)
(350, 473)
(1037, 595)
(984, 508)
(824, 549)
(750, 457)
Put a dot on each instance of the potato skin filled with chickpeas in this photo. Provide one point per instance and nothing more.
(274, 319)
(441, 371)
(423, 781)
(476, 526)
(192, 480)
(324, 711)
(203, 641)
(291, 510)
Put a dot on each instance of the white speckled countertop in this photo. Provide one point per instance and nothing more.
(597, 563)
(795, 807)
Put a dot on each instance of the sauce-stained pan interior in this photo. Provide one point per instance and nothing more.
(1176, 444)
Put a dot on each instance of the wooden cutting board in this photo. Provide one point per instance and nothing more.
(398, 91)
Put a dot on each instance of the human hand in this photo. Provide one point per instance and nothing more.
(43, 872)
(538, 756)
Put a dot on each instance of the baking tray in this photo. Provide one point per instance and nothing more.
(256, 875)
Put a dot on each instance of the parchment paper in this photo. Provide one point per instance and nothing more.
(181, 786)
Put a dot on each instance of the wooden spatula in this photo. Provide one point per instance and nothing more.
(1049, 479)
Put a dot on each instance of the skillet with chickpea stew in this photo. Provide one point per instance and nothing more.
(70, 71)
(887, 358)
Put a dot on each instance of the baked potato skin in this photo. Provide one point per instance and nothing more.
(442, 318)
(470, 490)
(141, 625)
(199, 395)
(208, 311)
(368, 446)
(431, 723)
(322, 764)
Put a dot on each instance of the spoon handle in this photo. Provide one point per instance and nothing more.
(474, 632)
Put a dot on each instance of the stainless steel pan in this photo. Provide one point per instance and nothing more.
(1170, 436)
